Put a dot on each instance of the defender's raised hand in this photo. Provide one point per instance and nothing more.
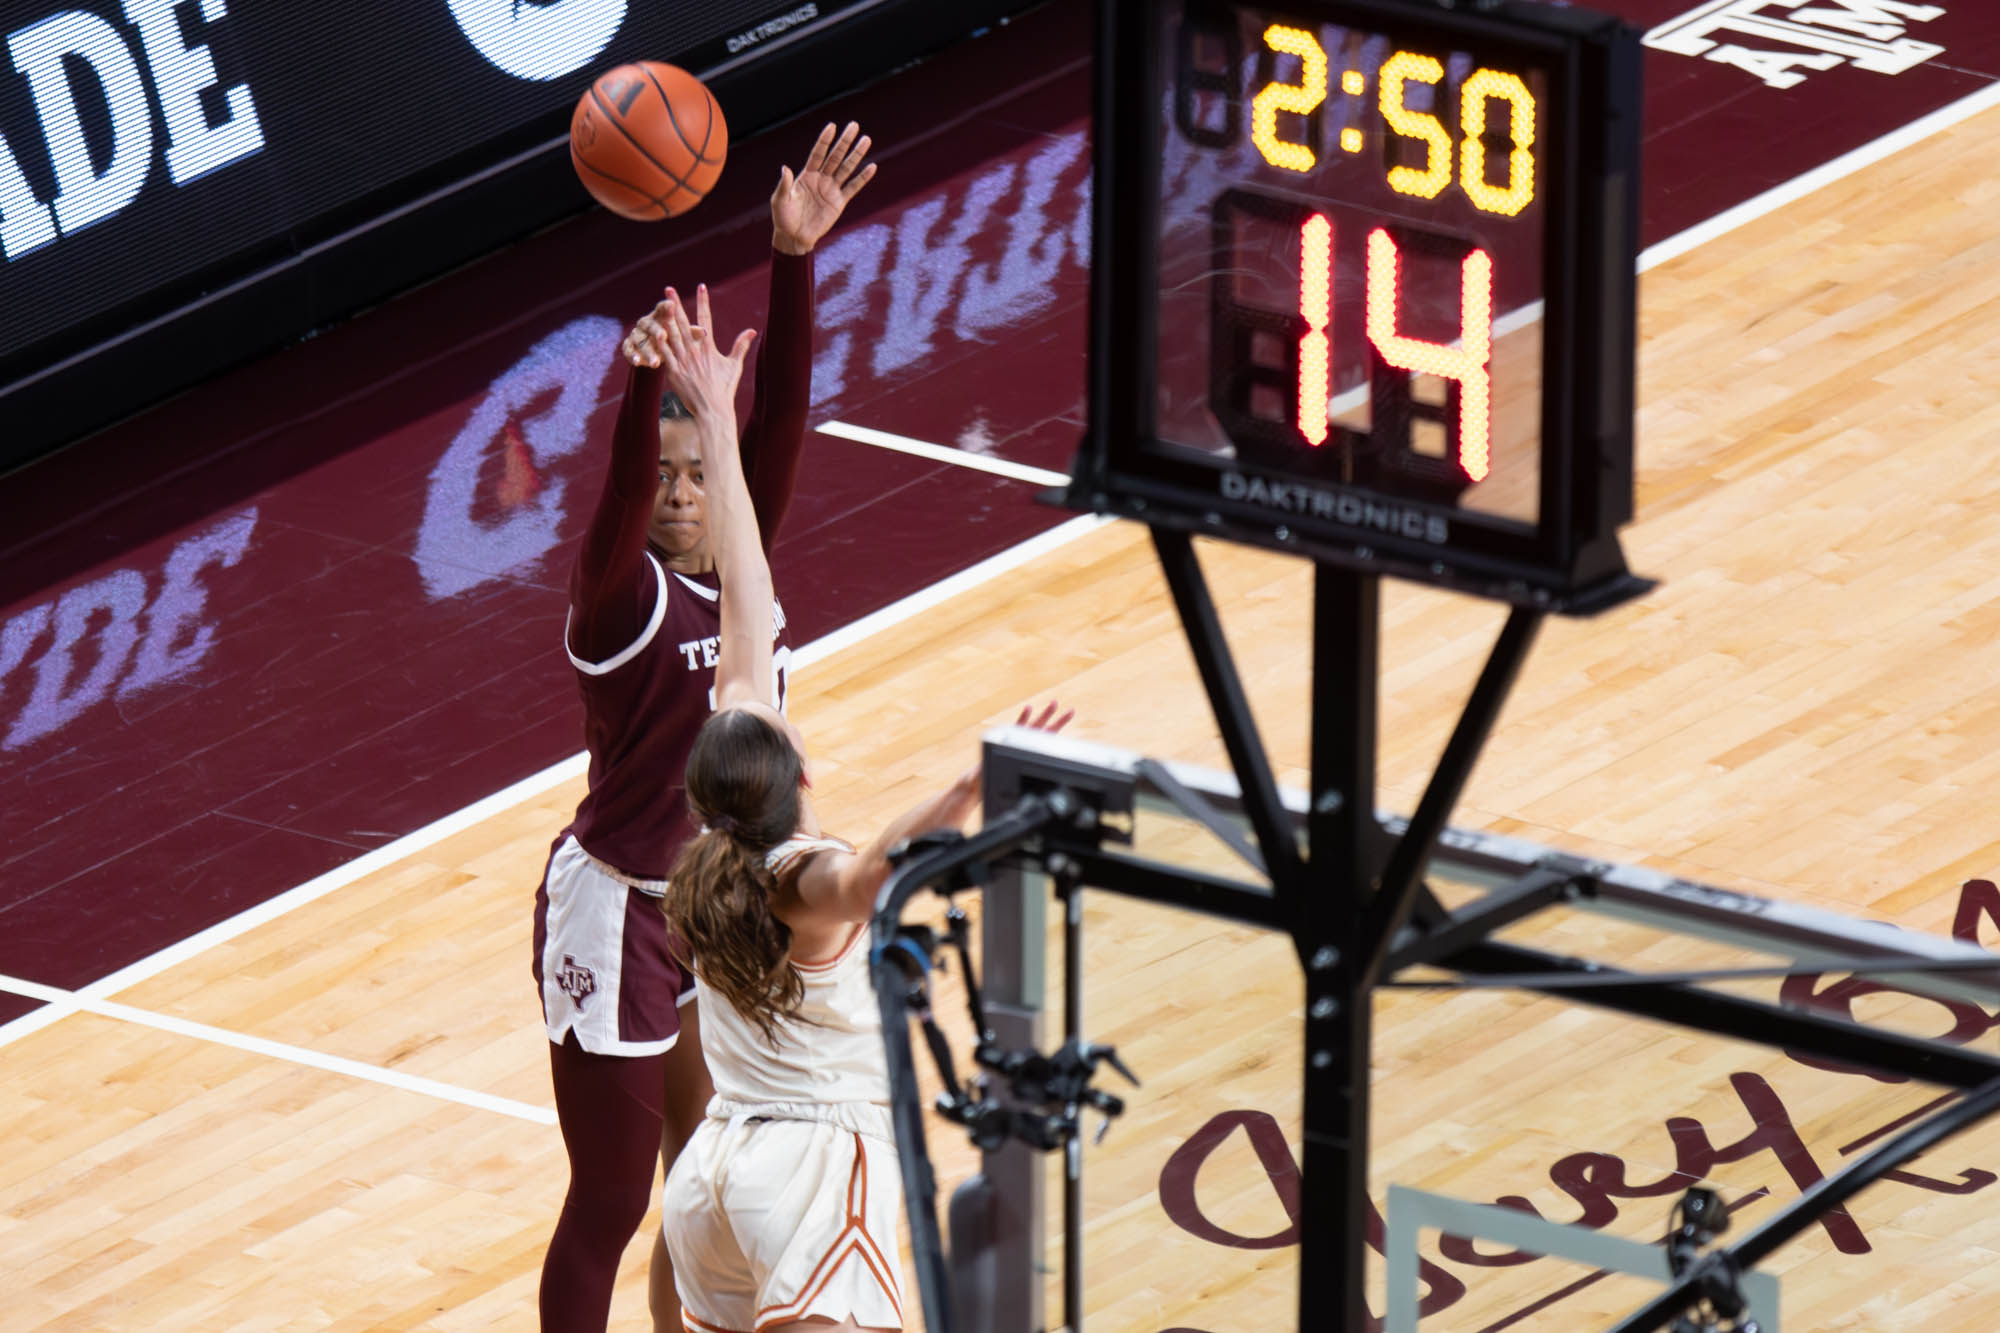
(964, 794)
(805, 207)
(1048, 721)
(697, 369)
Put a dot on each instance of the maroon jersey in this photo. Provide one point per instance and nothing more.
(642, 637)
(641, 710)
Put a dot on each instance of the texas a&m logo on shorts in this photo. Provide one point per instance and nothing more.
(577, 981)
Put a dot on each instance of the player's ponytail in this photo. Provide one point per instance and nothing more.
(743, 785)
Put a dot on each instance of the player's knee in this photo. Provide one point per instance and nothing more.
(609, 1211)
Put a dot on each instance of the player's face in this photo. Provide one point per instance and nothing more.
(680, 507)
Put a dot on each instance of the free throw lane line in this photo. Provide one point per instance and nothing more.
(903, 444)
(74, 1002)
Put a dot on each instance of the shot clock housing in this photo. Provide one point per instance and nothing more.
(1425, 219)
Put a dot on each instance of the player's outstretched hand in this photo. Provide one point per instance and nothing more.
(805, 207)
(697, 368)
(1048, 721)
(965, 788)
(646, 342)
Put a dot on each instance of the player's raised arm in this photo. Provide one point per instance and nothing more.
(705, 377)
(841, 886)
(804, 208)
(610, 589)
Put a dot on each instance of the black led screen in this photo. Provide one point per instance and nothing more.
(155, 153)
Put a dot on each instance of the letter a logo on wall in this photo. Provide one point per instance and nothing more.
(539, 41)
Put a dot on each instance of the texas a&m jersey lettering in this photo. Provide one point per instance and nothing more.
(781, 666)
(704, 653)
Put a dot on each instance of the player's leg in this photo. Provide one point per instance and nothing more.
(815, 1208)
(661, 1298)
(610, 1112)
(597, 939)
(687, 1090)
(822, 1326)
(717, 1288)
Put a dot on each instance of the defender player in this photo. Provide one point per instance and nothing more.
(624, 1047)
(780, 1212)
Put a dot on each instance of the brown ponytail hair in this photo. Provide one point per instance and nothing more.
(743, 783)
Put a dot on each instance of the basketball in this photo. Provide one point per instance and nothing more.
(648, 140)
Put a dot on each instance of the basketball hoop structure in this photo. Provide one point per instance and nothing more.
(1350, 231)
(1060, 808)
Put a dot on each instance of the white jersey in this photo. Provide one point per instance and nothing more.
(783, 1207)
(831, 1055)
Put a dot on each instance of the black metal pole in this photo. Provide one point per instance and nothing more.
(1810, 1206)
(1194, 805)
(1067, 874)
(1470, 925)
(1232, 707)
(1028, 817)
(1391, 906)
(1330, 903)
(1180, 886)
(1742, 1019)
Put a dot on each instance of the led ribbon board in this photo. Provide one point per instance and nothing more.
(1363, 286)
(182, 183)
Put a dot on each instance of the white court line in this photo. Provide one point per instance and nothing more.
(312, 890)
(1674, 246)
(903, 444)
(297, 1055)
(945, 589)
(1819, 177)
(62, 1003)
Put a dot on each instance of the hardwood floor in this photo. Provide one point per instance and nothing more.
(1805, 709)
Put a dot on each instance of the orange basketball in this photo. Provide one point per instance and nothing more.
(648, 140)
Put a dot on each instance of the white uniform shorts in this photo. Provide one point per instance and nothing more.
(602, 959)
(770, 1221)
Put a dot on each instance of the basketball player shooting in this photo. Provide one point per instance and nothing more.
(781, 1211)
(642, 634)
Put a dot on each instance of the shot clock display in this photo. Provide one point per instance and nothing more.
(1345, 281)
(1378, 256)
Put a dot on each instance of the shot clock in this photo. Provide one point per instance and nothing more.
(1364, 285)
